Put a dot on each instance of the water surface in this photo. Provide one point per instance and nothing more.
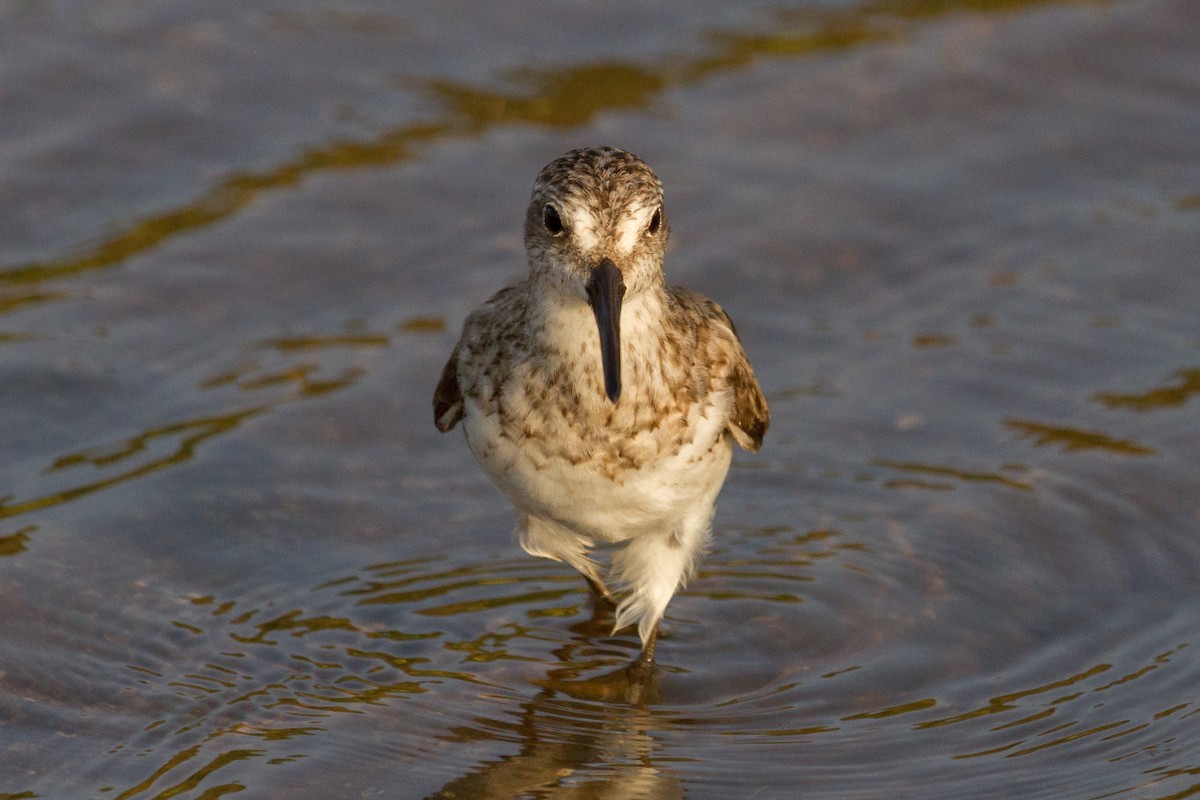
(960, 243)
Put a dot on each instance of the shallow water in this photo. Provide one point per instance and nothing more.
(960, 243)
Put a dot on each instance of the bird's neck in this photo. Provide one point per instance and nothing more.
(567, 322)
(566, 334)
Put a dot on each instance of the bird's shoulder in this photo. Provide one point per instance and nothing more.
(491, 325)
(688, 303)
(718, 350)
(502, 311)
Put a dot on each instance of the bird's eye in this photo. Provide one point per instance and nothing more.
(552, 220)
(655, 222)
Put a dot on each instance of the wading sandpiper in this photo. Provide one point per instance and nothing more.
(601, 401)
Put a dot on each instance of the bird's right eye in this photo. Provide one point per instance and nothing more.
(552, 220)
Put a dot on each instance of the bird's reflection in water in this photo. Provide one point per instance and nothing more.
(582, 737)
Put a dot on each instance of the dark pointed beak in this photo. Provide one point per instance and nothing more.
(605, 290)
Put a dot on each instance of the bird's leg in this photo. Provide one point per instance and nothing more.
(600, 593)
(645, 659)
(641, 672)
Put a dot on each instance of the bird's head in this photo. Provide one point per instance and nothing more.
(596, 230)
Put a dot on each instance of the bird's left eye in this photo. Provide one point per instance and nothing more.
(655, 222)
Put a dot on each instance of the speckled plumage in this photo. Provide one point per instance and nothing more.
(643, 470)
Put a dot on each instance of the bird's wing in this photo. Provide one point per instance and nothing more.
(447, 398)
(481, 330)
(750, 417)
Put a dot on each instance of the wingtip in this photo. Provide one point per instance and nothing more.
(751, 441)
(446, 418)
(447, 397)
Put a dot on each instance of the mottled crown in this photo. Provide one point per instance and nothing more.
(602, 180)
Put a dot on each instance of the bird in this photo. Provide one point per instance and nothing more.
(601, 401)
